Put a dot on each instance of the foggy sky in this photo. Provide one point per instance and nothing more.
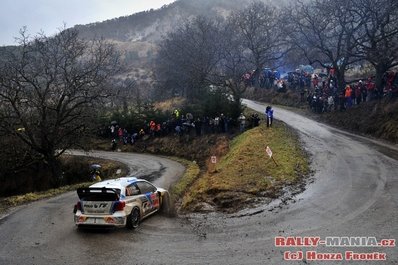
(50, 15)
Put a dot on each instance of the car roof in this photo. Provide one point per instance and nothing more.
(119, 183)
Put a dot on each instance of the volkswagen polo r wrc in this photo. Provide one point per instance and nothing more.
(118, 202)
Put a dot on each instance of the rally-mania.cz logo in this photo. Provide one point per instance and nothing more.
(336, 242)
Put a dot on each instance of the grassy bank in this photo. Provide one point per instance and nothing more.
(246, 172)
(191, 174)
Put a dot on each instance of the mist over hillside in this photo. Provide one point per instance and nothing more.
(150, 26)
(137, 36)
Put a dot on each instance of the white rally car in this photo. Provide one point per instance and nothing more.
(118, 202)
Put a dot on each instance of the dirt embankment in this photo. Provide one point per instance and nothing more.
(190, 147)
(376, 118)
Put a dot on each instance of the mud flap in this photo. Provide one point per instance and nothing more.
(167, 207)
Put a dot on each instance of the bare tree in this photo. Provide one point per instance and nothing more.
(125, 92)
(378, 37)
(323, 30)
(259, 28)
(49, 90)
(233, 64)
(188, 57)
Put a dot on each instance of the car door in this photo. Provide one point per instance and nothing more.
(150, 200)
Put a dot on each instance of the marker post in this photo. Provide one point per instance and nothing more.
(213, 160)
(269, 153)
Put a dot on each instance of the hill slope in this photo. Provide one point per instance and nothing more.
(150, 26)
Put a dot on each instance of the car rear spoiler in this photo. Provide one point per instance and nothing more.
(106, 194)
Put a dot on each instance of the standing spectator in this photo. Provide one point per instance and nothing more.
(242, 122)
(113, 129)
(134, 136)
(347, 95)
(227, 120)
(342, 100)
(206, 125)
(222, 123)
(152, 128)
(256, 120)
(125, 135)
(302, 92)
(158, 130)
(198, 127)
(364, 91)
(189, 117)
(217, 124)
(331, 85)
(113, 144)
(315, 80)
(358, 94)
(176, 113)
(269, 113)
(353, 96)
(141, 133)
(370, 86)
(120, 134)
(330, 103)
(251, 120)
(319, 105)
(336, 101)
(211, 125)
(178, 130)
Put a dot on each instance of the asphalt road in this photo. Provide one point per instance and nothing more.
(354, 192)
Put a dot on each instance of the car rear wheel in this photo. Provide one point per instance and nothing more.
(133, 220)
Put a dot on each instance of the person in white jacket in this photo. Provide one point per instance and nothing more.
(242, 122)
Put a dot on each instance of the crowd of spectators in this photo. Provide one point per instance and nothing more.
(182, 124)
(320, 90)
(323, 94)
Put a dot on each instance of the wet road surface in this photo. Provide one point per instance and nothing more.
(354, 192)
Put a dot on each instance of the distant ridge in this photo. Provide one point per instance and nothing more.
(150, 26)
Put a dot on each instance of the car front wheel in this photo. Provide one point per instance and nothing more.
(133, 220)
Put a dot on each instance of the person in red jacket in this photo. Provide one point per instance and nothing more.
(120, 134)
(158, 129)
(347, 95)
(370, 86)
(152, 127)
